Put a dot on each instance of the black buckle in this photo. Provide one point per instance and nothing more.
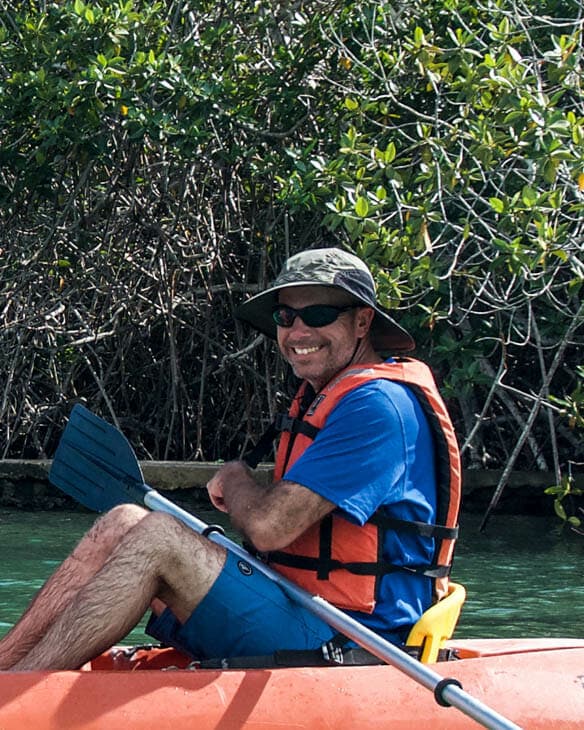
(332, 653)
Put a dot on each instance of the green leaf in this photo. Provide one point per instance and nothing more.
(561, 126)
(550, 171)
(351, 103)
(529, 196)
(419, 37)
(556, 199)
(514, 53)
(561, 254)
(361, 206)
(497, 205)
(559, 510)
(390, 153)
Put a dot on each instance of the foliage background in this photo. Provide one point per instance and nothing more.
(159, 161)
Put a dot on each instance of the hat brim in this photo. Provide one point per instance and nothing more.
(386, 333)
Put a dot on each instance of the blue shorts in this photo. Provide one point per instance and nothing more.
(244, 614)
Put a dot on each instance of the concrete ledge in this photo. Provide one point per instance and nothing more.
(185, 475)
(24, 484)
(167, 475)
(20, 469)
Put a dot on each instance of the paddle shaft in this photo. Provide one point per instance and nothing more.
(368, 639)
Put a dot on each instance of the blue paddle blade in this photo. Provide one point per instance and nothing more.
(95, 464)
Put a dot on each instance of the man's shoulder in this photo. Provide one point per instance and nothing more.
(372, 403)
(378, 392)
(378, 404)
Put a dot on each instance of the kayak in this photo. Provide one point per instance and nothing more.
(503, 684)
(535, 683)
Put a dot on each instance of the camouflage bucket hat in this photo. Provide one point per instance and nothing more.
(328, 267)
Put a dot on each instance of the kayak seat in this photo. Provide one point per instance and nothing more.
(437, 624)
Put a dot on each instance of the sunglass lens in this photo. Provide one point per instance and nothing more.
(319, 315)
(284, 316)
(316, 315)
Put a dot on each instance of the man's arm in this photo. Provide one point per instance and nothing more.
(270, 517)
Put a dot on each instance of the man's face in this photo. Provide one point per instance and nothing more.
(318, 353)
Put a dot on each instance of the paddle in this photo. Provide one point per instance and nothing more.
(96, 465)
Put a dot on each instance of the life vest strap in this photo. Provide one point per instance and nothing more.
(325, 547)
(282, 422)
(420, 528)
(324, 566)
(253, 457)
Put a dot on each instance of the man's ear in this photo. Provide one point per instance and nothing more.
(363, 320)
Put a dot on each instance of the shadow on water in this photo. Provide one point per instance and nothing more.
(524, 576)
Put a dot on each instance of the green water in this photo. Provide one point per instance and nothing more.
(524, 577)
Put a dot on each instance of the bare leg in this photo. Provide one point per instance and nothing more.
(159, 558)
(62, 587)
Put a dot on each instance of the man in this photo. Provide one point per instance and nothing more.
(355, 479)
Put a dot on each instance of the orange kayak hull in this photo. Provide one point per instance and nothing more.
(534, 683)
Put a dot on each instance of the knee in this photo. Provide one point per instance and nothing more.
(112, 527)
(125, 516)
(170, 539)
(104, 537)
(163, 529)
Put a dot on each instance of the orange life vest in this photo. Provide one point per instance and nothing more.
(342, 561)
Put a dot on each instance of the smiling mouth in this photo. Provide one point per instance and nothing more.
(305, 350)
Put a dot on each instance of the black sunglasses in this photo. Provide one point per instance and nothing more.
(315, 315)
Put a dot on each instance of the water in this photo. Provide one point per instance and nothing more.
(32, 545)
(524, 578)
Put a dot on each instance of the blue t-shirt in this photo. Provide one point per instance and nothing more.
(376, 450)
